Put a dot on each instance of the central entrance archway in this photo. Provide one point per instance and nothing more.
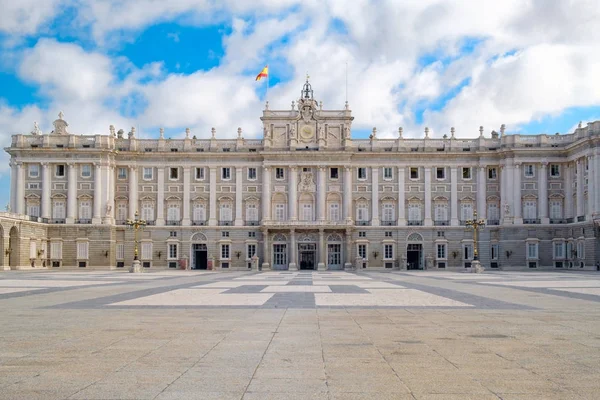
(307, 253)
(414, 251)
(198, 251)
(13, 245)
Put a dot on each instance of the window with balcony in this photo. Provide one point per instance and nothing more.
(388, 213)
(173, 214)
(280, 212)
(414, 213)
(466, 211)
(147, 211)
(85, 210)
(226, 212)
(556, 209)
(334, 212)
(362, 213)
(251, 212)
(58, 210)
(529, 210)
(199, 213)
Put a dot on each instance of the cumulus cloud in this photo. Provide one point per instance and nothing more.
(24, 17)
(508, 62)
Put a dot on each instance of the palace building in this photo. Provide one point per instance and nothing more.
(305, 196)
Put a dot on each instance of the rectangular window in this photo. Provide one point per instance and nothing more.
(121, 173)
(362, 251)
(59, 170)
(529, 170)
(226, 212)
(362, 173)
(251, 234)
(224, 252)
(172, 253)
(441, 234)
(173, 234)
(492, 173)
(307, 212)
(414, 173)
(33, 210)
(556, 209)
(333, 173)
(468, 252)
(199, 173)
(362, 213)
(251, 174)
(279, 173)
(559, 250)
(82, 250)
(225, 234)
(174, 173)
(56, 250)
(494, 251)
(580, 250)
(530, 209)
(532, 251)
(86, 170)
(251, 213)
(554, 170)
(146, 251)
(388, 213)
(120, 249)
(441, 251)
(440, 173)
(388, 252)
(250, 250)
(387, 173)
(34, 170)
(466, 211)
(388, 234)
(85, 209)
(362, 234)
(147, 173)
(226, 173)
(466, 173)
(280, 212)
(199, 213)
(334, 212)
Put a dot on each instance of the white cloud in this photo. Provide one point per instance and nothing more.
(24, 17)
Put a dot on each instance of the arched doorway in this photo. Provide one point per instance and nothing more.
(334, 252)
(414, 251)
(198, 251)
(13, 246)
(2, 248)
(280, 254)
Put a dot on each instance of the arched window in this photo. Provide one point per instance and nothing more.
(147, 210)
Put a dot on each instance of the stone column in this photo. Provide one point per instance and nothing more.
(212, 206)
(428, 221)
(597, 181)
(111, 192)
(266, 194)
(481, 193)
(293, 194)
(322, 250)
(293, 251)
(348, 194)
(321, 194)
(72, 193)
(20, 182)
(579, 203)
(375, 196)
(97, 216)
(239, 189)
(266, 250)
(568, 191)
(348, 263)
(160, 196)
(591, 188)
(453, 196)
(401, 197)
(543, 193)
(46, 190)
(502, 172)
(517, 203)
(185, 221)
(13, 186)
(133, 191)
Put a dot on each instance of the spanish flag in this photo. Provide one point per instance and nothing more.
(263, 74)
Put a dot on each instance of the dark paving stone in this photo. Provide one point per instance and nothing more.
(347, 289)
(291, 300)
(246, 289)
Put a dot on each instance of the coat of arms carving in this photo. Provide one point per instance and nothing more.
(307, 184)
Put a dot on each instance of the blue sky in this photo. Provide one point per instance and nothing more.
(530, 65)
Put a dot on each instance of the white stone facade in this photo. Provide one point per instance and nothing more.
(309, 196)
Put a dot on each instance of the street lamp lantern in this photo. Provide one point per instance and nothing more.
(476, 224)
(135, 224)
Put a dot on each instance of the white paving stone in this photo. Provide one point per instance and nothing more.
(195, 297)
(235, 284)
(364, 285)
(296, 289)
(16, 290)
(594, 291)
(387, 297)
(548, 284)
(49, 283)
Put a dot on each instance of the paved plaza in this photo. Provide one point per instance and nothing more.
(299, 335)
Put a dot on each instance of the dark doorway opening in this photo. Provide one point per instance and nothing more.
(413, 256)
(200, 256)
(307, 255)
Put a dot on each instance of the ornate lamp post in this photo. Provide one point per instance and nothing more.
(476, 224)
(135, 224)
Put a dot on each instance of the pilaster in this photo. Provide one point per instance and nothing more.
(517, 202)
(133, 191)
(293, 266)
(453, 196)
(46, 190)
(97, 216)
(71, 193)
(321, 193)
(591, 188)
(212, 207)
(322, 250)
(185, 221)
(348, 194)
(266, 194)
(239, 195)
(579, 203)
(543, 193)
(375, 196)
(160, 196)
(428, 221)
(293, 194)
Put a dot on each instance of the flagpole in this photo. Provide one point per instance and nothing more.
(268, 74)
